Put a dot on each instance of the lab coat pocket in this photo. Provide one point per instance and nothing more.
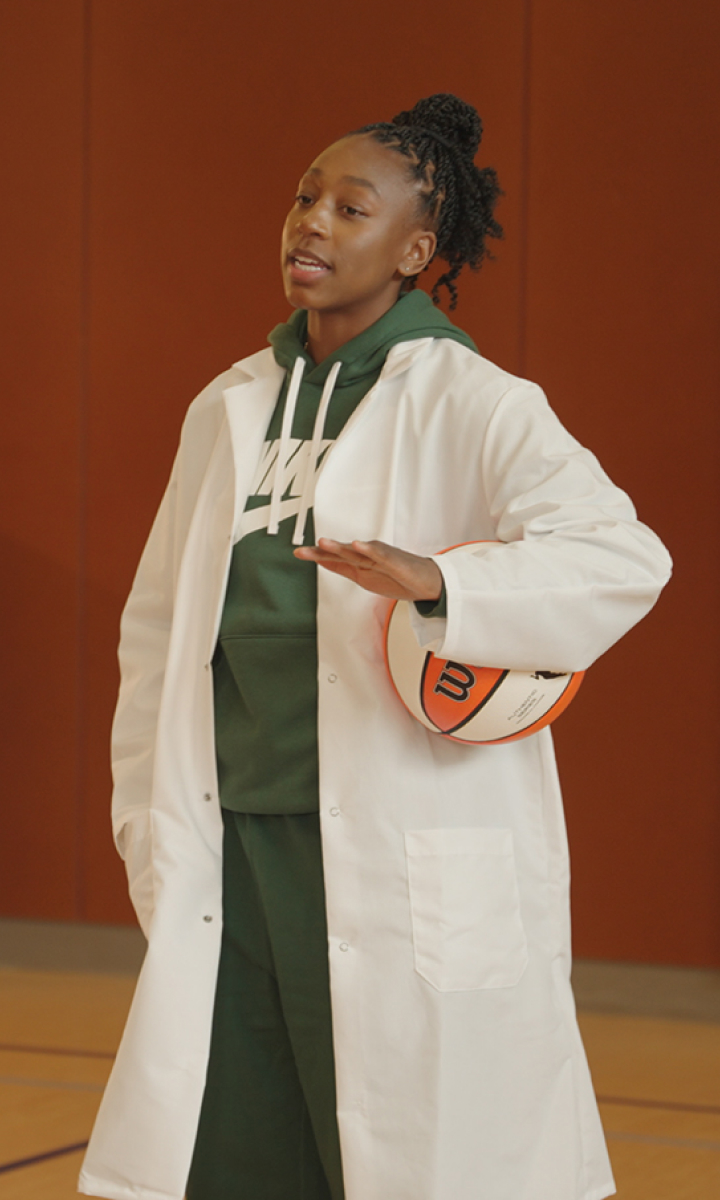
(134, 841)
(467, 928)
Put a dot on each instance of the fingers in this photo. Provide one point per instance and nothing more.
(321, 554)
(377, 567)
(345, 549)
(365, 553)
(356, 554)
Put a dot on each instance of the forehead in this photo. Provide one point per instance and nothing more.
(360, 160)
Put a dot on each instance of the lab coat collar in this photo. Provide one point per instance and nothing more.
(400, 358)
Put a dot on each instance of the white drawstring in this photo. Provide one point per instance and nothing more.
(284, 448)
(307, 494)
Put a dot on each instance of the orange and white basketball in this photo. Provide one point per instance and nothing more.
(465, 703)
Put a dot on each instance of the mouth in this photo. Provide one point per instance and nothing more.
(304, 265)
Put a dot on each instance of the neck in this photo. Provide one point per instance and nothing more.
(327, 331)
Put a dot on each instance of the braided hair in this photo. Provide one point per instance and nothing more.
(440, 137)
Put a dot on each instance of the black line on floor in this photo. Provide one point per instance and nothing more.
(646, 1139)
(669, 1105)
(55, 1050)
(38, 1158)
(69, 1085)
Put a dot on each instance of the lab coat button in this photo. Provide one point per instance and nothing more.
(332, 678)
(344, 946)
(334, 812)
(207, 918)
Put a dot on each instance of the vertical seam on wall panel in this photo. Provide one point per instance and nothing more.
(525, 186)
(82, 455)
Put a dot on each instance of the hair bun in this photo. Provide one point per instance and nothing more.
(457, 123)
(439, 138)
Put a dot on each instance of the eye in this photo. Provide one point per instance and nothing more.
(352, 211)
(303, 200)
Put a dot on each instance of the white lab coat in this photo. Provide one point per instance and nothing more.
(460, 1071)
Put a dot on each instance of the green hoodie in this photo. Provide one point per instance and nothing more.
(265, 663)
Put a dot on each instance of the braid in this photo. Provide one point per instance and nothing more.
(440, 137)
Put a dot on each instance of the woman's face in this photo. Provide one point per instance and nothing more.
(353, 233)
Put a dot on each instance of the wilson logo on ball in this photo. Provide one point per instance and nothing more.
(467, 703)
(451, 693)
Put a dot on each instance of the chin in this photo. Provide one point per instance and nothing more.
(292, 296)
(298, 296)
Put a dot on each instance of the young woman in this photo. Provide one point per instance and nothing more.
(387, 1014)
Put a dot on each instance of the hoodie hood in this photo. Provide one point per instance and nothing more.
(413, 316)
(352, 369)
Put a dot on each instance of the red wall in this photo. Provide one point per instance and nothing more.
(155, 145)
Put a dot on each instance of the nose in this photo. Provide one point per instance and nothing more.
(314, 220)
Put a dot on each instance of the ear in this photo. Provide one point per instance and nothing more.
(418, 254)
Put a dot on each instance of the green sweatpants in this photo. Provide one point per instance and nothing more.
(268, 1127)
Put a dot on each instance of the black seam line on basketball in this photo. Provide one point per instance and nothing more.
(423, 673)
(536, 726)
(668, 1105)
(19, 1163)
(8, 1046)
(482, 704)
(474, 712)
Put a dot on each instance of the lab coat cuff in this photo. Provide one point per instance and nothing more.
(429, 623)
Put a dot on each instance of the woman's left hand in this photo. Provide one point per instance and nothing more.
(378, 568)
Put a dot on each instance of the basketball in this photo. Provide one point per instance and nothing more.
(467, 703)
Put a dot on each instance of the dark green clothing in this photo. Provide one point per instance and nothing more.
(433, 608)
(265, 665)
(268, 1126)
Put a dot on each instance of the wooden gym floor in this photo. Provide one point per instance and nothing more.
(652, 1036)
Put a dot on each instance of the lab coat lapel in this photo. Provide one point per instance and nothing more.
(249, 407)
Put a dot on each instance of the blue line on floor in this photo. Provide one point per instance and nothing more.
(38, 1158)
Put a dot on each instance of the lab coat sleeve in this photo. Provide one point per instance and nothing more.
(144, 637)
(145, 630)
(575, 568)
